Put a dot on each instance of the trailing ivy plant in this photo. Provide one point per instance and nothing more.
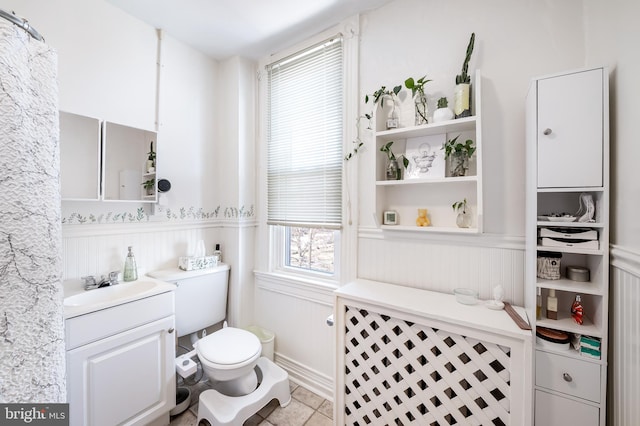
(391, 156)
(452, 145)
(378, 95)
(460, 205)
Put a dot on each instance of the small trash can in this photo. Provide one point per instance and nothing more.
(266, 339)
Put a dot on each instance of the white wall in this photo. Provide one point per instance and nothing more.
(611, 33)
(515, 41)
(107, 70)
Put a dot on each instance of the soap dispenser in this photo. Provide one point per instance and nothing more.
(130, 268)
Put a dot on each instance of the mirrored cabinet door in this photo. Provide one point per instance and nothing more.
(128, 172)
(79, 157)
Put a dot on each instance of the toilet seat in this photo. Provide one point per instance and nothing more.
(229, 348)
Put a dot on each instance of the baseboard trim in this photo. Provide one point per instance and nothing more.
(306, 377)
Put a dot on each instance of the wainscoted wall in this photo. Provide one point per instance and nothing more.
(442, 262)
(624, 346)
(296, 311)
(98, 249)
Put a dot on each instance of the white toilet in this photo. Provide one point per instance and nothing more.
(230, 357)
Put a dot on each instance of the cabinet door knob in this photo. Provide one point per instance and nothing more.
(171, 330)
(547, 132)
(567, 377)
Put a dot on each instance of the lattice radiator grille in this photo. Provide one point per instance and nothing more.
(398, 373)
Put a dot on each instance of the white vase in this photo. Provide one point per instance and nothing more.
(442, 114)
(389, 109)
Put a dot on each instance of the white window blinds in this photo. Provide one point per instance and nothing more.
(305, 104)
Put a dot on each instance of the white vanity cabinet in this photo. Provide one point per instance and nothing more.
(568, 161)
(120, 363)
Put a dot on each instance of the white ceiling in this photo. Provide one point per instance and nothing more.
(249, 28)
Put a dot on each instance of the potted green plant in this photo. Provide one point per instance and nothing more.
(463, 220)
(419, 98)
(462, 91)
(457, 155)
(443, 113)
(382, 96)
(393, 171)
(149, 186)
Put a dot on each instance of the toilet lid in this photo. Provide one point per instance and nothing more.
(229, 345)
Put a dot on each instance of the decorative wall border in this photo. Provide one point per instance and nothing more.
(141, 215)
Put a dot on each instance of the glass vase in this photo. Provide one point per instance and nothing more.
(393, 171)
(458, 163)
(463, 220)
(421, 109)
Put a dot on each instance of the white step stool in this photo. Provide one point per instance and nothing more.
(222, 410)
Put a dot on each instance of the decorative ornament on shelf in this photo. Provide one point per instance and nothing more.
(463, 220)
(457, 155)
(151, 159)
(577, 311)
(422, 219)
(498, 297)
(393, 171)
(462, 91)
(419, 98)
(443, 113)
(387, 100)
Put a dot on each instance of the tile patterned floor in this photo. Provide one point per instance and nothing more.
(305, 409)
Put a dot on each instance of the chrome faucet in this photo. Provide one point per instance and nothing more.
(90, 281)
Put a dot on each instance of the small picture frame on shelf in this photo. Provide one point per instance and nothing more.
(390, 217)
(426, 158)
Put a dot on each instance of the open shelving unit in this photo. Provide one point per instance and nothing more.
(436, 194)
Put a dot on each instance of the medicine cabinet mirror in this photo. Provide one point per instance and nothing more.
(126, 173)
(106, 161)
(79, 157)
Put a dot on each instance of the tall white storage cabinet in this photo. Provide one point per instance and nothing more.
(568, 161)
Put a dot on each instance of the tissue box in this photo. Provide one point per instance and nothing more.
(192, 263)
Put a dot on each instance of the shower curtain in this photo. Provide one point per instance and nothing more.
(32, 357)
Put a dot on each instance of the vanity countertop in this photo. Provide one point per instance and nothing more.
(78, 301)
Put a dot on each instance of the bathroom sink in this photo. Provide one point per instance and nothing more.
(111, 294)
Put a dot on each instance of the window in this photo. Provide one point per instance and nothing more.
(304, 170)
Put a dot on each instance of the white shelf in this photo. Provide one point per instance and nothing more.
(444, 229)
(571, 250)
(573, 189)
(550, 224)
(466, 124)
(570, 286)
(452, 180)
(567, 324)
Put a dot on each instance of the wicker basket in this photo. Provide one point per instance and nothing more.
(549, 265)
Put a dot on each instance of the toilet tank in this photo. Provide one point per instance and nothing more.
(201, 296)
